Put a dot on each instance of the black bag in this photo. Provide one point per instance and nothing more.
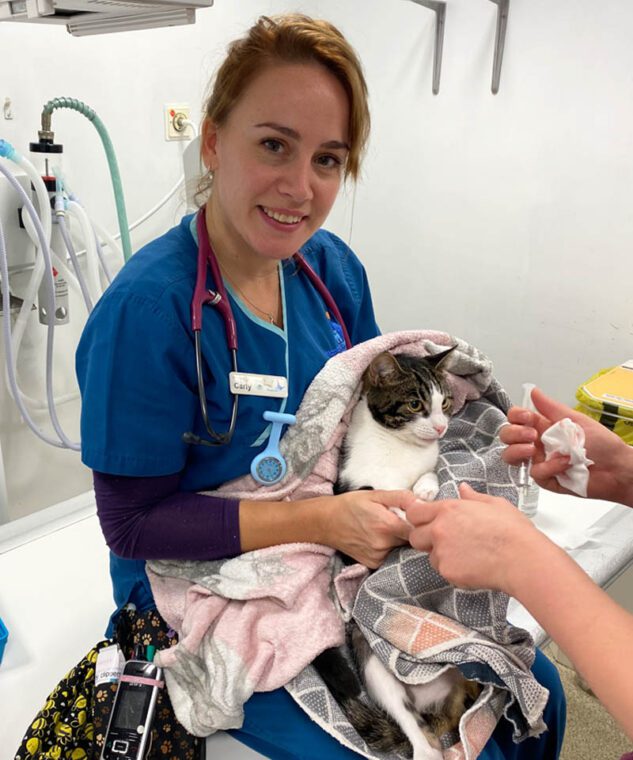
(73, 722)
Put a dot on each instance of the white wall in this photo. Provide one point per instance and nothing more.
(502, 219)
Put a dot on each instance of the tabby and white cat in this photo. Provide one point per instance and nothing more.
(392, 439)
(392, 443)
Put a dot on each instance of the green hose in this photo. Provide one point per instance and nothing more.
(77, 105)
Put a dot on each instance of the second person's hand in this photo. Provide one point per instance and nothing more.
(361, 524)
(609, 477)
(475, 541)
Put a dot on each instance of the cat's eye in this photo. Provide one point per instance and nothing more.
(415, 405)
(447, 404)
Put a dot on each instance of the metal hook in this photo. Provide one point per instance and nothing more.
(439, 7)
(500, 38)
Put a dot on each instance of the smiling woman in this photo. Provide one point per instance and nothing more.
(286, 122)
(288, 134)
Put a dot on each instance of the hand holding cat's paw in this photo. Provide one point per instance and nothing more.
(427, 487)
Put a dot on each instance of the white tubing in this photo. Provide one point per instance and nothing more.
(16, 337)
(70, 249)
(106, 276)
(63, 441)
(92, 257)
(157, 207)
(38, 270)
(108, 239)
(56, 259)
(5, 515)
(29, 299)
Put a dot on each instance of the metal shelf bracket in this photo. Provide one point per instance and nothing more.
(439, 7)
(500, 38)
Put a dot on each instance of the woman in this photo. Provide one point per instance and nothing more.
(286, 122)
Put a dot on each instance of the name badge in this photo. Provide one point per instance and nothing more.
(247, 384)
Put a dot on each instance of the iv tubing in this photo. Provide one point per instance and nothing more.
(82, 108)
(63, 441)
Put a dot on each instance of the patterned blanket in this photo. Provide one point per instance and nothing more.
(231, 641)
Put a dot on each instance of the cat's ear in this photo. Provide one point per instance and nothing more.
(437, 360)
(383, 370)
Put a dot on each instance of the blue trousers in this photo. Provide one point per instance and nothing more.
(276, 727)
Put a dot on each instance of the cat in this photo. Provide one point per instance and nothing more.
(393, 443)
(392, 438)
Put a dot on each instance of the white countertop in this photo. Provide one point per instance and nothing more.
(55, 599)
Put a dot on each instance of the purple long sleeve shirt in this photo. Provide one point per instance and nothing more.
(149, 518)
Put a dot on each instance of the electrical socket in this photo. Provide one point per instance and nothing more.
(175, 114)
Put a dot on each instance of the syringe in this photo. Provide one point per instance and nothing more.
(527, 500)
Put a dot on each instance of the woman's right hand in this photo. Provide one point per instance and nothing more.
(361, 524)
(611, 475)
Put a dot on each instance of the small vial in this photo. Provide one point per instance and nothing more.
(528, 498)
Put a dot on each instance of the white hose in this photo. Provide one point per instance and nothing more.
(16, 338)
(108, 240)
(157, 207)
(38, 269)
(70, 249)
(5, 514)
(171, 193)
(64, 441)
(92, 257)
(56, 260)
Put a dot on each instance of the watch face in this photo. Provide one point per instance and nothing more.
(269, 469)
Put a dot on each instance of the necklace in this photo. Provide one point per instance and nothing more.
(270, 317)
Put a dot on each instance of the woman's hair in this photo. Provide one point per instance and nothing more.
(292, 38)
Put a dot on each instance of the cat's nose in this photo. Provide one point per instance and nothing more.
(439, 429)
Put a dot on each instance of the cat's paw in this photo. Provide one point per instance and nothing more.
(427, 487)
(427, 753)
(399, 513)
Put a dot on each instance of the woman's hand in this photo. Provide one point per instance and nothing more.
(361, 525)
(611, 475)
(477, 541)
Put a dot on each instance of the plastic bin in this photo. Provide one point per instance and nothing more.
(608, 397)
(4, 635)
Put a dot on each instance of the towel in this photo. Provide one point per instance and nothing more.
(211, 673)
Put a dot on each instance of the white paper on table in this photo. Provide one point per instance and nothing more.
(569, 520)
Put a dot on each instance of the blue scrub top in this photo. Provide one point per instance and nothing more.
(137, 371)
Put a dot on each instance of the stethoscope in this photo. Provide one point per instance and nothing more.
(268, 467)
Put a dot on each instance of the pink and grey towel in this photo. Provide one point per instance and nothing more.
(257, 621)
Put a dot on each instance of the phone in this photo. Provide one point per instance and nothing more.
(130, 728)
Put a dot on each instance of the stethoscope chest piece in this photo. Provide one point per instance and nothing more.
(269, 467)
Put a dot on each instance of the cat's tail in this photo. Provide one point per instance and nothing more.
(374, 725)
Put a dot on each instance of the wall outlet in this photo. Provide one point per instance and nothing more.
(175, 115)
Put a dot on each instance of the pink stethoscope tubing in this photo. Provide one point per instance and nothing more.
(220, 300)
